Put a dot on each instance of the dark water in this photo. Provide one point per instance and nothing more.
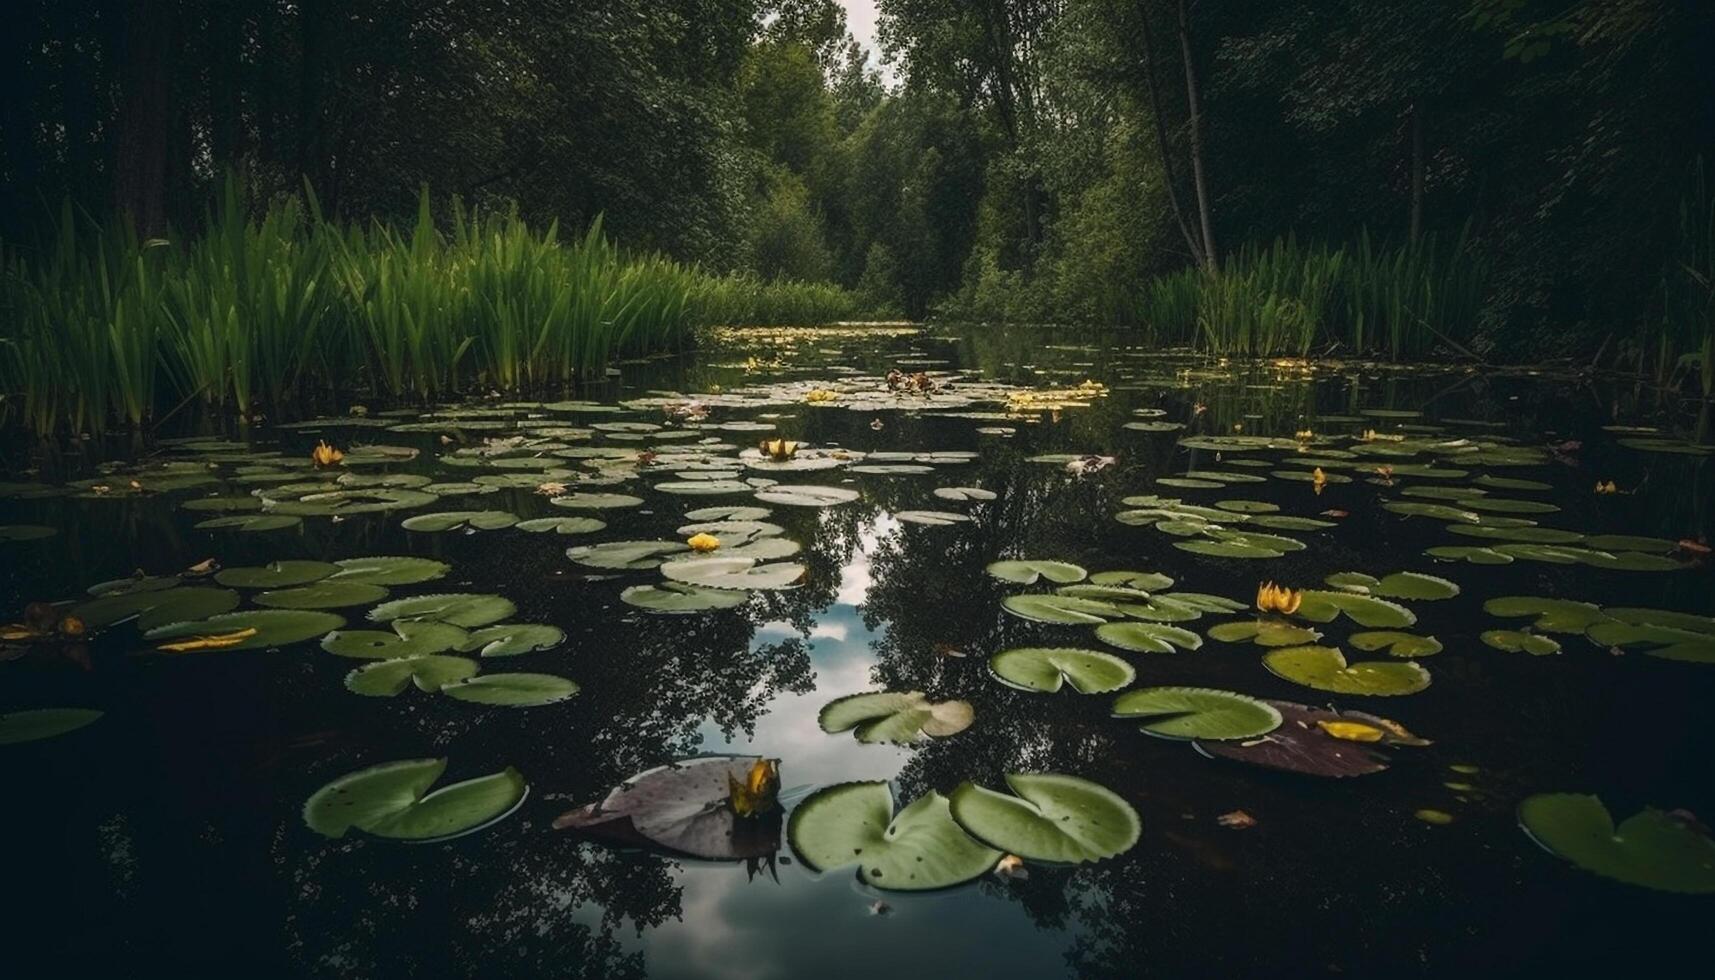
(167, 836)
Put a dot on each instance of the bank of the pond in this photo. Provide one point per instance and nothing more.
(99, 327)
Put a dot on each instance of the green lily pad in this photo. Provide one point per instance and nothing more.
(326, 594)
(900, 718)
(677, 598)
(1197, 712)
(1325, 607)
(728, 514)
(35, 724)
(392, 800)
(1550, 615)
(1052, 817)
(1472, 554)
(512, 639)
(796, 495)
(274, 627)
(596, 501)
(734, 573)
(561, 525)
(250, 523)
(1651, 849)
(1027, 571)
(1148, 637)
(25, 532)
(918, 849)
(454, 520)
(964, 494)
(275, 575)
(1143, 581)
(155, 607)
(430, 672)
(627, 555)
(1325, 669)
(466, 609)
(1515, 641)
(389, 570)
(933, 518)
(1063, 609)
(1529, 534)
(1046, 669)
(1399, 585)
(223, 505)
(1665, 642)
(1264, 632)
(1247, 506)
(408, 638)
(1396, 643)
(512, 690)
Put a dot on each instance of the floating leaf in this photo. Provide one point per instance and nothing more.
(627, 555)
(901, 718)
(681, 807)
(512, 690)
(465, 609)
(728, 514)
(34, 724)
(1147, 637)
(1325, 669)
(1197, 712)
(964, 494)
(919, 849)
(409, 637)
(596, 501)
(561, 525)
(679, 598)
(1028, 570)
(935, 518)
(512, 639)
(1264, 632)
(1065, 609)
(1325, 607)
(1052, 817)
(389, 570)
(454, 520)
(794, 495)
(389, 801)
(1047, 668)
(1396, 643)
(733, 573)
(25, 532)
(275, 575)
(1551, 615)
(1514, 641)
(154, 607)
(326, 594)
(1302, 744)
(1474, 555)
(430, 672)
(250, 523)
(1399, 585)
(273, 627)
(1143, 581)
(1651, 849)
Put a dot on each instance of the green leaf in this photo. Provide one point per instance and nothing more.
(465, 609)
(1027, 571)
(430, 672)
(34, 724)
(1264, 632)
(1142, 581)
(734, 573)
(1052, 817)
(452, 520)
(25, 532)
(154, 607)
(512, 690)
(793, 495)
(919, 849)
(274, 627)
(1651, 849)
(1551, 615)
(1063, 609)
(1147, 637)
(1514, 641)
(1399, 585)
(326, 594)
(596, 501)
(512, 639)
(1046, 669)
(1325, 607)
(1325, 669)
(384, 570)
(1396, 643)
(389, 801)
(1197, 712)
(250, 523)
(627, 555)
(275, 575)
(901, 718)
(676, 598)
(410, 637)
(562, 525)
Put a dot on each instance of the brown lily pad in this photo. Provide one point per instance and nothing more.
(1303, 744)
(681, 807)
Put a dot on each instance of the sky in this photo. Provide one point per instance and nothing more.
(860, 18)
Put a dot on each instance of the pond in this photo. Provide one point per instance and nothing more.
(1493, 589)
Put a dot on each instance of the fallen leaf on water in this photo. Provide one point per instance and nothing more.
(208, 566)
(1693, 547)
(1236, 820)
(1336, 513)
(218, 641)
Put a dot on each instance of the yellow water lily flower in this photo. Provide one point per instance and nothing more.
(1318, 480)
(704, 542)
(1305, 435)
(820, 395)
(219, 641)
(1278, 598)
(758, 791)
(779, 450)
(1351, 731)
(325, 455)
(1607, 487)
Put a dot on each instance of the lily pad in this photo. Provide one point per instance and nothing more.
(1046, 669)
(1399, 585)
(1197, 712)
(512, 639)
(25, 532)
(275, 575)
(728, 514)
(1052, 817)
(964, 494)
(155, 607)
(919, 849)
(934, 518)
(889, 716)
(35, 724)
(465, 609)
(627, 555)
(512, 690)
(250, 523)
(1325, 669)
(392, 800)
(1651, 849)
(1148, 637)
(430, 672)
(1264, 632)
(596, 501)
(1550, 615)
(408, 638)
(273, 628)
(456, 520)
(561, 525)
(1396, 643)
(1472, 554)
(1144, 581)
(389, 570)
(1325, 607)
(678, 598)
(681, 807)
(1064, 609)
(1301, 744)
(1028, 570)
(326, 594)
(734, 573)
(797, 495)
(1515, 641)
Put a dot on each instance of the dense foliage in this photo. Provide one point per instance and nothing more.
(1044, 160)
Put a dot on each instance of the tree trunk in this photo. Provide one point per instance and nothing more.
(145, 116)
(1168, 177)
(1416, 171)
(1211, 257)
